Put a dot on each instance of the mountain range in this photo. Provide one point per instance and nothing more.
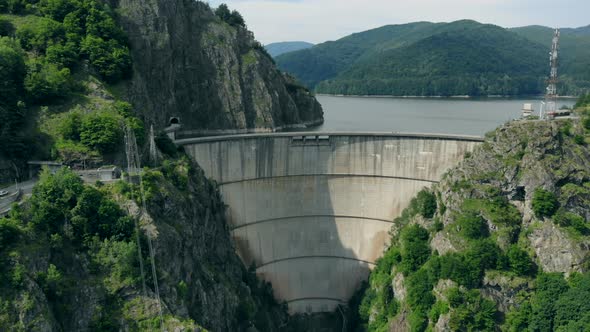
(276, 49)
(458, 58)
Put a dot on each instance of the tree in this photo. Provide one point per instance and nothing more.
(544, 203)
(519, 261)
(96, 215)
(111, 60)
(53, 198)
(12, 72)
(550, 286)
(9, 232)
(415, 249)
(233, 18)
(101, 131)
(426, 203)
(46, 82)
(37, 34)
(223, 12)
(57, 9)
(70, 125)
(6, 28)
(62, 54)
(473, 313)
(472, 225)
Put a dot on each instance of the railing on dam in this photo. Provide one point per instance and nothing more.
(312, 210)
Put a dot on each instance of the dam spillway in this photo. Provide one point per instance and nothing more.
(312, 211)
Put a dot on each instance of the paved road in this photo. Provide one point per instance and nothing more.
(25, 188)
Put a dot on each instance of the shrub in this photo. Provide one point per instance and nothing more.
(467, 268)
(57, 9)
(544, 203)
(165, 145)
(426, 203)
(36, 35)
(182, 289)
(550, 286)
(472, 225)
(415, 249)
(101, 131)
(96, 215)
(12, 72)
(62, 54)
(519, 261)
(53, 197)
(569, 219)
(45, 82)
(233, 18)
(473, 313)
(9, 233)
(420, 298)
(573, 305)
(6, 28)
(69, 126)
(111, 59)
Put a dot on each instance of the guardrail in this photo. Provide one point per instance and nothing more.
(318, 135)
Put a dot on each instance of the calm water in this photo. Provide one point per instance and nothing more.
(445, 116)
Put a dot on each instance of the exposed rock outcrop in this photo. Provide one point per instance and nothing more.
(213, 76)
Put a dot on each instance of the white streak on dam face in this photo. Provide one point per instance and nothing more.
(313, 214)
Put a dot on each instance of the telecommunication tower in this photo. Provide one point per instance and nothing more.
(551, 94)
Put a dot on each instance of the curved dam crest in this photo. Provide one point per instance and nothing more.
(312, 211)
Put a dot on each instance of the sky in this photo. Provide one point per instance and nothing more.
(317, 21)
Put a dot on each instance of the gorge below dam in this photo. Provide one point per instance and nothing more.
(312, 211)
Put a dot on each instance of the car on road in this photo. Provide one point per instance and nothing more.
(3, 193)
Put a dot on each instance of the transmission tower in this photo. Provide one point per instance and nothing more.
(551, 93)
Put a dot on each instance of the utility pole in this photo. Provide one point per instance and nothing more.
(551, 93)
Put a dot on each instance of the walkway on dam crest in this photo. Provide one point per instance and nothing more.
(312, 210)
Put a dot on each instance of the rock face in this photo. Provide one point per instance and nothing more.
(202, 282)
(193, 246)
(214, 77)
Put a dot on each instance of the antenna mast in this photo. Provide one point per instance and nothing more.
(551, 94)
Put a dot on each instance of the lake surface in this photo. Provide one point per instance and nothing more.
(425, 115)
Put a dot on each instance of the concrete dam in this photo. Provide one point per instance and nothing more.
(312, 210)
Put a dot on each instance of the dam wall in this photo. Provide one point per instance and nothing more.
(312, 211)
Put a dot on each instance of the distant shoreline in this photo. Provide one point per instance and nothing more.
(444, 97)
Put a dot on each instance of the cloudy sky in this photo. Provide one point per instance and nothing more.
(321, 20)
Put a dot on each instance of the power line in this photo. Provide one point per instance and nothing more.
(134, 170)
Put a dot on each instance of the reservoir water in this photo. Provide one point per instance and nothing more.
(425, 115)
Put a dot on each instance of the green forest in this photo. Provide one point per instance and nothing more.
(51, 53)
(442, 59)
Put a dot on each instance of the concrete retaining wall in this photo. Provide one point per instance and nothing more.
(312, 211)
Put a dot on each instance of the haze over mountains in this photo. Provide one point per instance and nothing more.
(276, 49)
(443, 59)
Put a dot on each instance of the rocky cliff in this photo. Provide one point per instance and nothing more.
(501, 243)
(58, 279)
(214, 76)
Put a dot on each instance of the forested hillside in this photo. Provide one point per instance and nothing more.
(56, 59)
(276, 49)
(429, 59)
(500, 244)
(74, 255)
(72, 72)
